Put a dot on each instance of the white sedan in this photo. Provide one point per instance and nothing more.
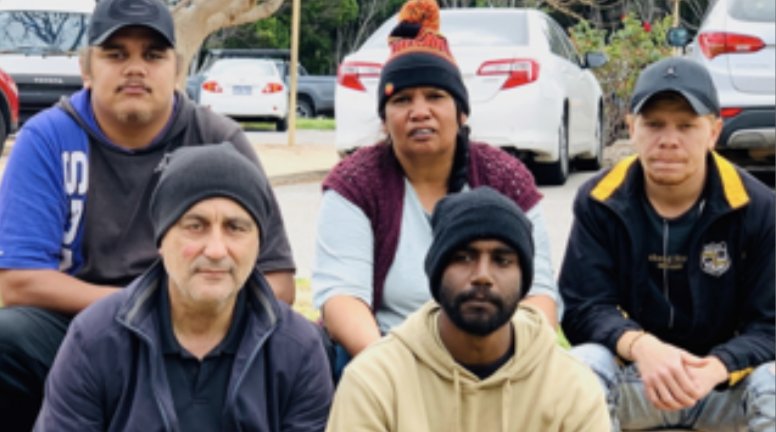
(530, 91)
(246, 90)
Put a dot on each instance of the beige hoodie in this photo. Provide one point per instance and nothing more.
(408, 382)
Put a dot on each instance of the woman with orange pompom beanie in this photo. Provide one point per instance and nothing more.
(374, 225)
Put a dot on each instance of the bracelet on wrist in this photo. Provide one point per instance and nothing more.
(633, 343)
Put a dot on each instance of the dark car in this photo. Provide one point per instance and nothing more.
(9, 108)
(315, 94)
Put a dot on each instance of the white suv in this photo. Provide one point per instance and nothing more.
(530, 92)
(736, 43)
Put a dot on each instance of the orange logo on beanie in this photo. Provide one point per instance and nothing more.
(388, 89)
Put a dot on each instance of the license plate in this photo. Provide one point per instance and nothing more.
(242, 90)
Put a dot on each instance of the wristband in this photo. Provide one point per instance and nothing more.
(633, 342)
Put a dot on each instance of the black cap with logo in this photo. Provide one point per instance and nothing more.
(112, 15)
(680, 75)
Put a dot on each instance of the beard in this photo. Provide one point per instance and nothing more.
(482, 323)
(135, 116)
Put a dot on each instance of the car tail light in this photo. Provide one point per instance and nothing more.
(350, 74)
(212, 86)
(731, 112)
(273, 88)
(714, 44)
(519, 71)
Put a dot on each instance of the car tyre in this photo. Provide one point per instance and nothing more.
(304, 109)
(595, 163)
(281, 125)
(555, 173)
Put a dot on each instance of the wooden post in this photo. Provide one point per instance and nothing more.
(294, 66)
(677, 22)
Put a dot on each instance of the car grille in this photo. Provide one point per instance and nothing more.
(34, 98)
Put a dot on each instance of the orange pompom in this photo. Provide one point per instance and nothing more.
(422, 12)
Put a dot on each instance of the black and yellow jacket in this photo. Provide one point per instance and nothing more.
(605, 281)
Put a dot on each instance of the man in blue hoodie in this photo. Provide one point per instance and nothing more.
(198, 343)
(74, 220)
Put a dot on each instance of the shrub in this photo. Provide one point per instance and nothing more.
(630, 49)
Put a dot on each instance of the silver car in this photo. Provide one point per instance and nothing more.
(737, 44)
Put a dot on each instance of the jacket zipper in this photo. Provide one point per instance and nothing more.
(251, 359)
(666, 288)
(158, 398)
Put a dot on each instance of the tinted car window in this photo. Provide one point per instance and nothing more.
(243, 68)
(571, 50)
(468, 30)
(753, 10)
(42, 32)
(556, 40)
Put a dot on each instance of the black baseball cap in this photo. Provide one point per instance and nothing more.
(112, 15)
(680, 75)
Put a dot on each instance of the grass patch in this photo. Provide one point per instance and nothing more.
(304, 300)
(301, 124)
(562, 341)
(258, 126)
(316, 124)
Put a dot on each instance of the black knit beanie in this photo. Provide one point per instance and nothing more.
(420, 56)
(197, 173)
(480, 214)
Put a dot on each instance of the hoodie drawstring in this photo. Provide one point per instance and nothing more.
(506, 403)
(457, 403)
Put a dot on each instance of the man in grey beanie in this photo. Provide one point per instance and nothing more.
(472, 360)
(199, 342)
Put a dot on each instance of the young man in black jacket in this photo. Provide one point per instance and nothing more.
(669, 274)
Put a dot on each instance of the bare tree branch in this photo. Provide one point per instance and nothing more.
(180, 5)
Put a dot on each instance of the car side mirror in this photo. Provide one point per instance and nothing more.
(595, 60)
(678, 37)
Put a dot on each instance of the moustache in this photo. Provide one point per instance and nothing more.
(206, 264)
(479, 294)
(133, 83)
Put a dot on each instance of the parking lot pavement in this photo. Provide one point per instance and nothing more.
(284, 164)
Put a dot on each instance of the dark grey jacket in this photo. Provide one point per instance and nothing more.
(109, 374)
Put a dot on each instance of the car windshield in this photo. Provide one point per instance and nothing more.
(41, 32)
(469, 30)
(243, 67)
(753, 10)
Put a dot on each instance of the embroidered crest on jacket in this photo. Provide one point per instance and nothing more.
(715, 259)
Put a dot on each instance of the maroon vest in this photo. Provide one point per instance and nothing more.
(373, 180)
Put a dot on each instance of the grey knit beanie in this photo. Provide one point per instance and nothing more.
(480, 214)
(197, 173)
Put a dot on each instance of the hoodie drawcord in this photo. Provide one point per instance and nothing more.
(506, 404)
(457, 403)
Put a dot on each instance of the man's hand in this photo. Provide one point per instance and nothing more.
(665, 372)
(710, 374)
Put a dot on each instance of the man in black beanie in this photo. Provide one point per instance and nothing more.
(199, 342)
(468, 361)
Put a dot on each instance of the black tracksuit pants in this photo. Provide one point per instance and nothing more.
(29, 340)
